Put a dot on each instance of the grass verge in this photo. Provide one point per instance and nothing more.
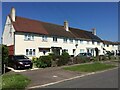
(90, 67)
(14, 81)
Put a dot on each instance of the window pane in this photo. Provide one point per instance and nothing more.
(44, 38)
(33, 51)
(30, 52)
(25, 37)
(32, 37)
(76, 41)
(27, 51)
(65, 40)
(71, 40)
(55, 39)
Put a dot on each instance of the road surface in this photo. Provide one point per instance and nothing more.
(108, 79)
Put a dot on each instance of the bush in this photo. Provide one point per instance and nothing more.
(4, 56)
(42, 61)
(63, 59)
(81, 59)
(46, 60)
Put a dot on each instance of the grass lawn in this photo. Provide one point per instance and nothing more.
(14, 81)
(90, 67)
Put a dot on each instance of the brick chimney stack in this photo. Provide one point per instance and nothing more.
(12, 14)
(66, 25)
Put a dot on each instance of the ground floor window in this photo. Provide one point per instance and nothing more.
(65, 50)
(81, 50)
(44, 50)
(30, 52)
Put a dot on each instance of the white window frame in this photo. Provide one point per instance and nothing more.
(44, 38)
(81, 41)
(71, 40)
(82, 50)
(55, 39)
(76, 41)
(28, 37)
(65, 40)
(31, 52)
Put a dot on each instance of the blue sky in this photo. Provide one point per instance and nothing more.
(84, 15)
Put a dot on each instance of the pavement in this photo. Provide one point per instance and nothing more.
(49, 76)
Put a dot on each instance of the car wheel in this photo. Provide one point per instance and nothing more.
(15, 67)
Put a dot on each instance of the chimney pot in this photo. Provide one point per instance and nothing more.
(94, 31)
(12, 14)
(66, 25)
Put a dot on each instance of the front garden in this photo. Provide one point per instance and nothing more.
(96, 66)
(14, 81)
(53, 60)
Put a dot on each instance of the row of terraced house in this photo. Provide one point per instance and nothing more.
(36, 38)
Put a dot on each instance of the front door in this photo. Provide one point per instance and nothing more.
(56, 51)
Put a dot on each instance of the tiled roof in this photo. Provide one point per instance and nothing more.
(84, 34)
(111, 43)
(33, 26)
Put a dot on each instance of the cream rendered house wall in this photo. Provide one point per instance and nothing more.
(112, 48)
(21, 45)
(8, 33)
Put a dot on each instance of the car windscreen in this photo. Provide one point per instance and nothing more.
(20, 57)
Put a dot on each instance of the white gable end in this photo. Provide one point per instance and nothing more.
(8, 33)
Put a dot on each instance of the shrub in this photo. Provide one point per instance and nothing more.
(34, 61)
(42, 61)
(63, 59)
(81, 59)
(40, 64)
(46, 60)
(4, 56)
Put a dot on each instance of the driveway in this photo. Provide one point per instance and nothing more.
(48, 75)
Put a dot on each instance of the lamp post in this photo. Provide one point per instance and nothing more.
(76, 48)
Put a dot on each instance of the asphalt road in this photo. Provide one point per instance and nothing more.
(108, 79)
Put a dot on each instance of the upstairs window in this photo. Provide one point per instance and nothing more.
(76, 41)
(93, 42)
(88, 42)
(54, 39)
(29, 37)
(98, 43)
(81, 50)
(44, 38)
(81, 41)
(65, 40)
(71, 40)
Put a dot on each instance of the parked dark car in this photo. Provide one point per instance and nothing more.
(19, 62)
(87, 55)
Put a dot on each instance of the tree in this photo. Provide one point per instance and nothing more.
(4, 57)
(4, 54)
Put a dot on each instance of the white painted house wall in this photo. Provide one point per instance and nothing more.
(21, 45)
(8, 33)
